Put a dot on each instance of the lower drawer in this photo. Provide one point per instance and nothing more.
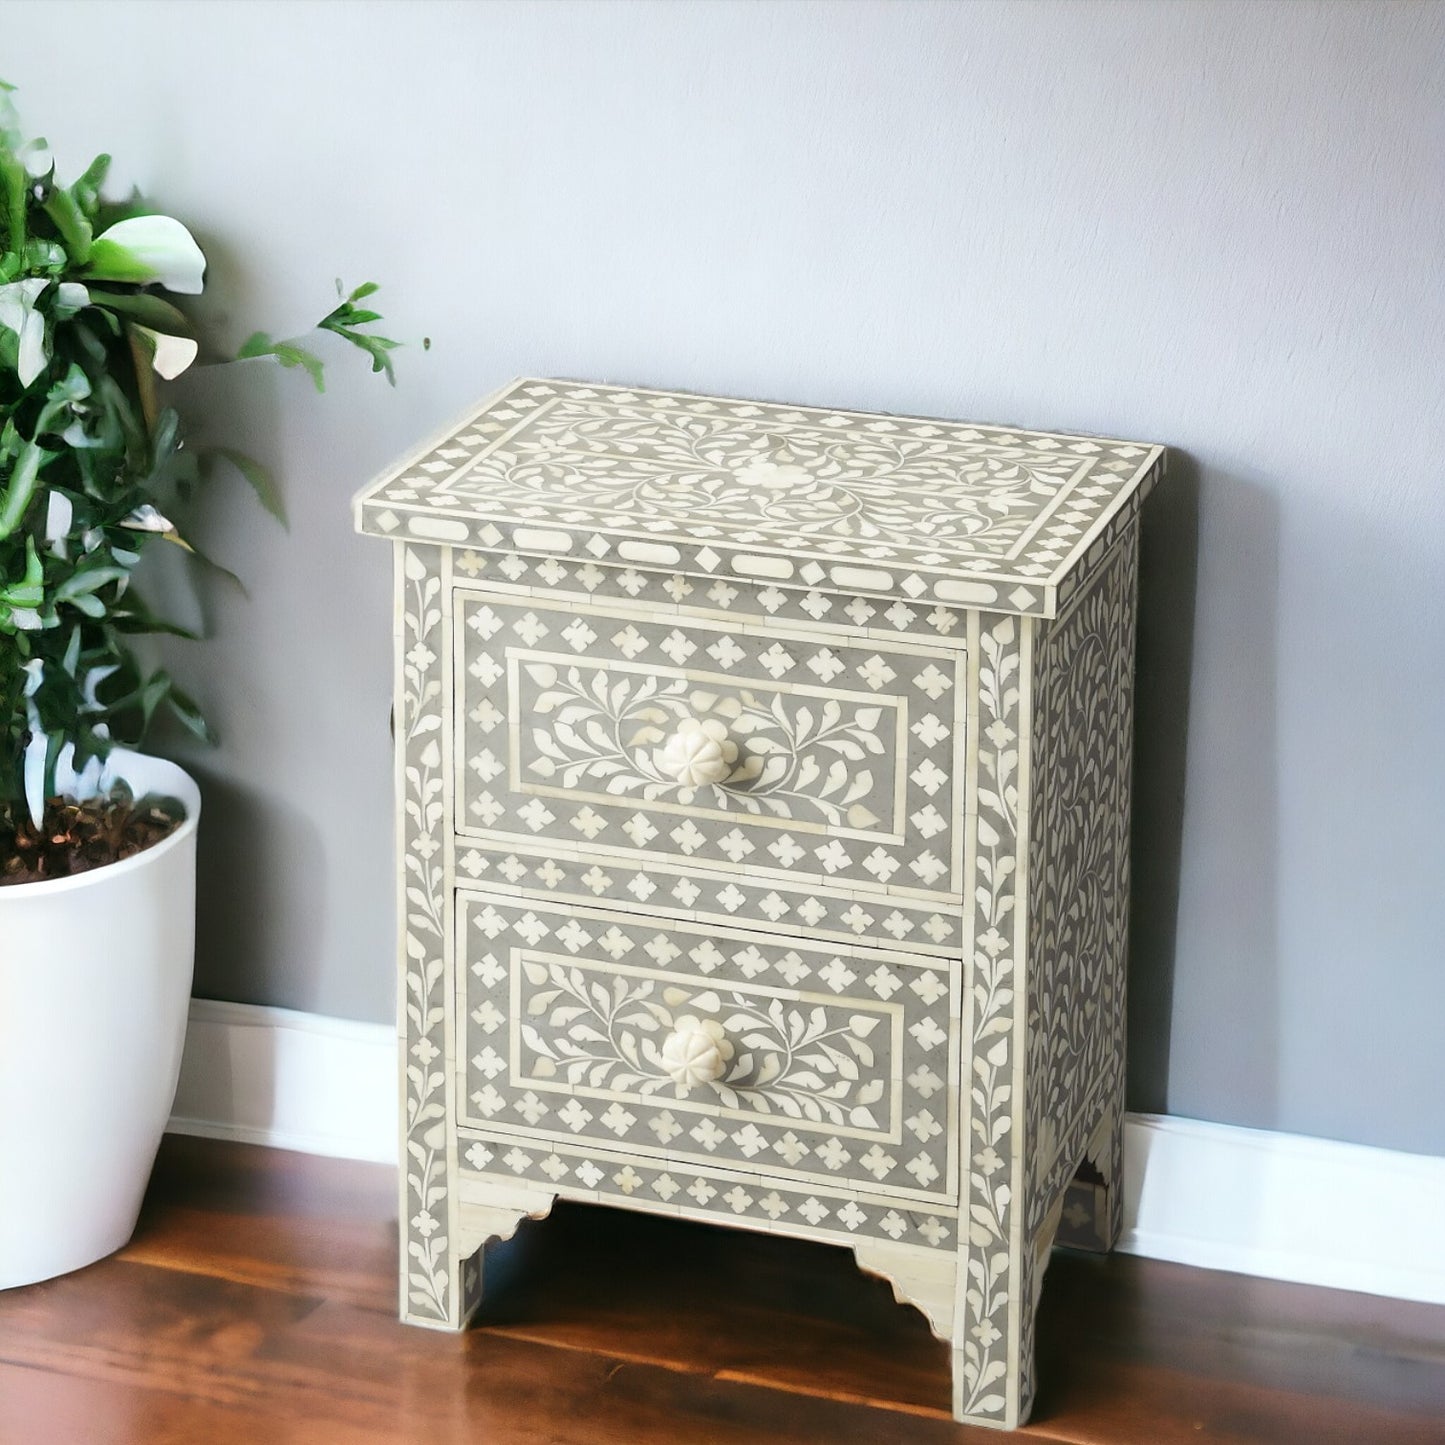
(661, 1041)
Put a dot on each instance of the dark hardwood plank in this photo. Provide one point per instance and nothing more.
(289, 1222)
(1354, 1349)
(256, 1304)
(196, 1349)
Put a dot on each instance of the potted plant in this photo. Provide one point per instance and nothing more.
(97, 841)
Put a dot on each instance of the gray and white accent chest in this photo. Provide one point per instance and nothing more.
(763, 797)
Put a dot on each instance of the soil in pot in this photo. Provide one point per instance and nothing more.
(74, 837)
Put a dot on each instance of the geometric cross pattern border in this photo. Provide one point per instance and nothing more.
(672, 889)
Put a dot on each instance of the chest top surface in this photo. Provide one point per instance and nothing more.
(840, 501)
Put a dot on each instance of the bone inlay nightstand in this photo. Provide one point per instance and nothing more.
(763, 785)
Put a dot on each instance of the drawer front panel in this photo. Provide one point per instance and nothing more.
(666, 1040)
(729, 745)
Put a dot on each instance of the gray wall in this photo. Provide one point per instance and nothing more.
(1215, 225)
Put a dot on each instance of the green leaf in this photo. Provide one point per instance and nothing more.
(167, 355)
(71, 221)
(262, 483)
(86, 190)
(21, 487)
(376, 347)
(13, 185)
(148, 249)
(165, 438)
(344, 320)
(184, 708)
(29, 591)
(144, 698)
(135, 623)
(42, 254)
(286, 352)
(148, 309)
(131, 615)
(153, 693)
(122, 414)
(60, 400)
(53, 745)
(89, 579)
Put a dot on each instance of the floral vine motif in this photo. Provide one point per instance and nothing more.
(421, 715)
(1078, 922)
(800, 1063)
(615, 729)
(790, 495)
(424, 883)
(990, 1188)
(647, 464)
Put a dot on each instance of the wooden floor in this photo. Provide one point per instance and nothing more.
(255, 1305)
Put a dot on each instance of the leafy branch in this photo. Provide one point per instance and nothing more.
(93, 463)
(343, 322)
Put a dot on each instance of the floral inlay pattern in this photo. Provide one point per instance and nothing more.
(991, 1263)
(966, 513)
(646, 1036)
(660, 466)
(425, 934)
(763, 781)
(839, 1059)
(1078, 923)
(844, 755)
(776, 754)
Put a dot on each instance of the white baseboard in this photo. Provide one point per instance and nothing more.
(1280, 1206)
(292, 1080)
(1284, 1206)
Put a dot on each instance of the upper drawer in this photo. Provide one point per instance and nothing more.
(740, 745)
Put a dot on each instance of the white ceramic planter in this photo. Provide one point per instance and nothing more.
(95, 983)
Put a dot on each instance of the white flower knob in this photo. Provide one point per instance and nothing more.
(697, 753)
(695, 1052)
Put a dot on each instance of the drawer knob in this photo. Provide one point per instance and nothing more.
(696, 1052)
(699, 752)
